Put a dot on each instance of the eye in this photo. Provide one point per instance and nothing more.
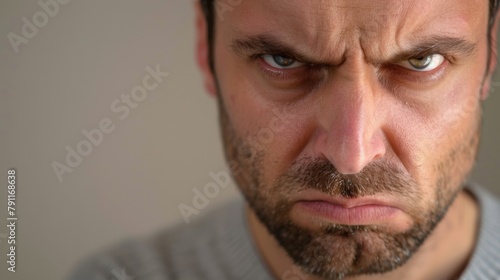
(424, 63)
(281, 62)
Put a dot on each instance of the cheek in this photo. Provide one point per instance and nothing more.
(453, 124)
(277, 131)
(439, 136)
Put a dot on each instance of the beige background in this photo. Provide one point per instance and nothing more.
(64, 80)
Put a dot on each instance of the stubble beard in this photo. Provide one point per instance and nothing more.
(337, 251)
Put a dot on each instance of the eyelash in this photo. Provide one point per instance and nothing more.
(420, 77)
(284, 75)
(274, 72)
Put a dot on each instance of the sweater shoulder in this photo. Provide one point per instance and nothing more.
(127, 260)
(484, 264)
(182, 251)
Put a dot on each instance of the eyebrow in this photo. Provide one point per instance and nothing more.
(268, 44)
(447, 46)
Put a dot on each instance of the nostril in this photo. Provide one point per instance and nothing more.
(351, 153)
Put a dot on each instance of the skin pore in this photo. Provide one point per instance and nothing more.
(360, 100)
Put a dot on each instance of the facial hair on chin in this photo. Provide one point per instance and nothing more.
(336, 251)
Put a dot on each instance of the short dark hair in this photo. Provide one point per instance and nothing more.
(209, 11)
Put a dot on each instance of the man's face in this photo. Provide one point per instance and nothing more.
(352, 123)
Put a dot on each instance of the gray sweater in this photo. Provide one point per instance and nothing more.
(219, 246)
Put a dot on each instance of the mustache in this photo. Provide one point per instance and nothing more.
(321, 175)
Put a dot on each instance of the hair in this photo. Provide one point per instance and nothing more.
(209, 11)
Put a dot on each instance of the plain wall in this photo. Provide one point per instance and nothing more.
(64, 80)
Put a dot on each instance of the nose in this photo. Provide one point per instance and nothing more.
(351, 122)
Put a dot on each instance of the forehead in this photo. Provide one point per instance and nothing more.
(334, 27)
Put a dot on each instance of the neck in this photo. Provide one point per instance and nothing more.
(444, 254)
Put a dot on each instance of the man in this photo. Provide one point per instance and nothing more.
(350, 127)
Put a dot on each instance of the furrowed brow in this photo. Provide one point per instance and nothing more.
(446, 46)
(266, 44)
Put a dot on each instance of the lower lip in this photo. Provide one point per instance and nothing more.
(361, 215)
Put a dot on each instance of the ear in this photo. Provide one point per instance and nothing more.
(493, 60)
(203, 49)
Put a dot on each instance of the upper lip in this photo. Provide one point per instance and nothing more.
(346, 202)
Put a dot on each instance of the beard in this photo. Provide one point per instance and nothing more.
(335, 251)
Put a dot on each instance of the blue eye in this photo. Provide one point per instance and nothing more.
(423, 64)
(281, 62)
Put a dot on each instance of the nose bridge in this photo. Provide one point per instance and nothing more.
(350, 121)
(354, 120)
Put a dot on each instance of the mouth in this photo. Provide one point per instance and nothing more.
(347, 211)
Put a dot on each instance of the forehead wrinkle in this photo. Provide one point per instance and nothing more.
(307, 30)
(392, 26)
(307, 25)
(339, 36)
(321, 33)
(404, 30)
(329, 37)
